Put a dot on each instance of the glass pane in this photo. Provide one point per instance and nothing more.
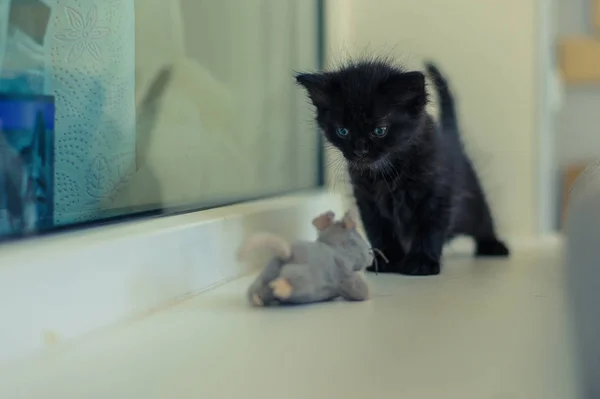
(112, 108)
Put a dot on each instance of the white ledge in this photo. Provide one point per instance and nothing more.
(482, 329)
(61, 287)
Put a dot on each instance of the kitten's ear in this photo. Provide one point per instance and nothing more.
(316, 84)
(408, 89)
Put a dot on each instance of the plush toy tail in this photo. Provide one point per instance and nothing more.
(280, 247)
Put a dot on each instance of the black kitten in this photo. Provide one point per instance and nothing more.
(414, 185)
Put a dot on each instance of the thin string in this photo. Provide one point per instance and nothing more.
(375, 261)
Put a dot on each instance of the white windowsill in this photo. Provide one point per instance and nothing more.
(59, 288)
(482, 329)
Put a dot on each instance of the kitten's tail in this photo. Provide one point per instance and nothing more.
(280, 247)
(448, 117)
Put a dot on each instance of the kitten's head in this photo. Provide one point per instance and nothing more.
(368, 109)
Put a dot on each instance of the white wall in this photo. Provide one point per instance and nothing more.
(489, 51)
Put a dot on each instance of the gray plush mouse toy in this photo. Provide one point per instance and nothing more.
(312, 271)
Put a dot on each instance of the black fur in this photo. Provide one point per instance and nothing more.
(415, 187)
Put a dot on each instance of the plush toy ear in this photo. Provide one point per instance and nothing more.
(324, 220)
(349, 222)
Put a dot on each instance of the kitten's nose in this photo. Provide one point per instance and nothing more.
(361, 152)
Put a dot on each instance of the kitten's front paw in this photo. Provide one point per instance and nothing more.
(420, 266)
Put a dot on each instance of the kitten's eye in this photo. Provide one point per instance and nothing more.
(380, 131)
(342, 132)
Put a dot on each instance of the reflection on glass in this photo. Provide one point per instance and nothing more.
(157, 105)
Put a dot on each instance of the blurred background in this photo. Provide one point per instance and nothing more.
(170, 106)
(112, 110)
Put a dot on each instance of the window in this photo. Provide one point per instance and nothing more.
(113, 109)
